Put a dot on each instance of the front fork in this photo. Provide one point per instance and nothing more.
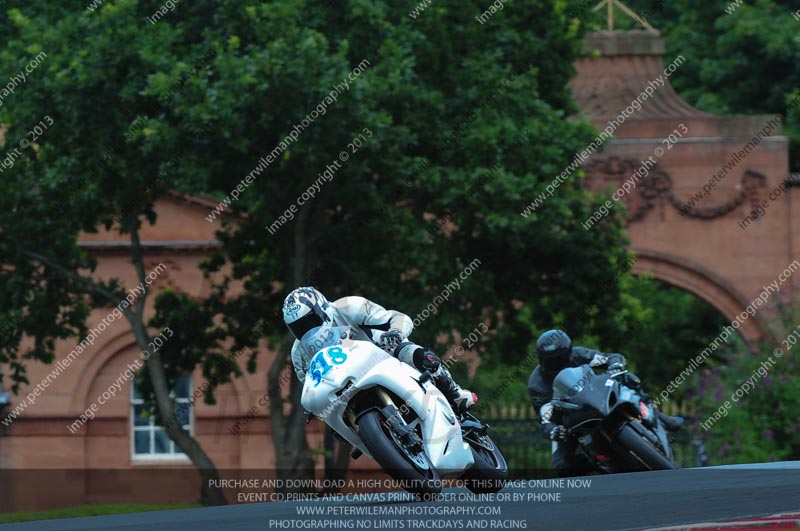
(395, 422)
(384, 399)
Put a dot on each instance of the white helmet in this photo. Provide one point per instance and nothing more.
(306, 308)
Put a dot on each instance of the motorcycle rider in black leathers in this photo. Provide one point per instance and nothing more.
(555, 352)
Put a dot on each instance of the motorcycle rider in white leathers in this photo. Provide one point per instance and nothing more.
(306, 308)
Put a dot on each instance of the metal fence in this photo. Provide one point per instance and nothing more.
(517, 431)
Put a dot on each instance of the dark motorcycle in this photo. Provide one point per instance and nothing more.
(617, 429)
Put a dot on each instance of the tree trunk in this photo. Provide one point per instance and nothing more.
(292, 453)
(210, 492)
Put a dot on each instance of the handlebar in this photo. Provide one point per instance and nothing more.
(560, 404)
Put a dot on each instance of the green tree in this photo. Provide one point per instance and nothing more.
(748, 409)
(89, 138)
(463, 123)
(667, 328)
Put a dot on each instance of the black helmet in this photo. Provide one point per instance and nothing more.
(554, 348)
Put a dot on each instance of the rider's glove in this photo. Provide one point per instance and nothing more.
(390, 339)
(616, 363)
(631, 380)
(558, 433)
(427, 360)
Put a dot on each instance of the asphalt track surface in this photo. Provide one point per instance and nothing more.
(618, 502)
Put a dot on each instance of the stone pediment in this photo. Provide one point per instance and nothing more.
(628, 63)
(619, 66)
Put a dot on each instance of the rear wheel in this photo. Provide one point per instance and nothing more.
(643, 451)
(490, 471)
(411, 469)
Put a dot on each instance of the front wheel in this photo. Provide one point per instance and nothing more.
(411, 469)
(643, 450)
(490, 471)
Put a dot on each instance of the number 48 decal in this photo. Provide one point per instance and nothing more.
(320, 366)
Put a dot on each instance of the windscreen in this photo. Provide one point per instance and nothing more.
(571, 381)
(323, 336)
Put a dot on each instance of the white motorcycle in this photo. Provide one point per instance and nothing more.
(394, 414)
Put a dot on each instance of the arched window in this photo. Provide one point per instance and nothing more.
(149, 440)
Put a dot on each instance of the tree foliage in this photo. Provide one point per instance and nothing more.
(462, 125)
(668, 328)
(92, 133)
(748, 409)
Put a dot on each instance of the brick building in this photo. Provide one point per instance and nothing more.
(46, 460)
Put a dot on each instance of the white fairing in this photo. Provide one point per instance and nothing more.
(366, 365)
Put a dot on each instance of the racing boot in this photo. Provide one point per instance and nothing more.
(670, 423)
(425, 359)
(460, 399)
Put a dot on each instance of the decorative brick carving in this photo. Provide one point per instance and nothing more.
(657, 189)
